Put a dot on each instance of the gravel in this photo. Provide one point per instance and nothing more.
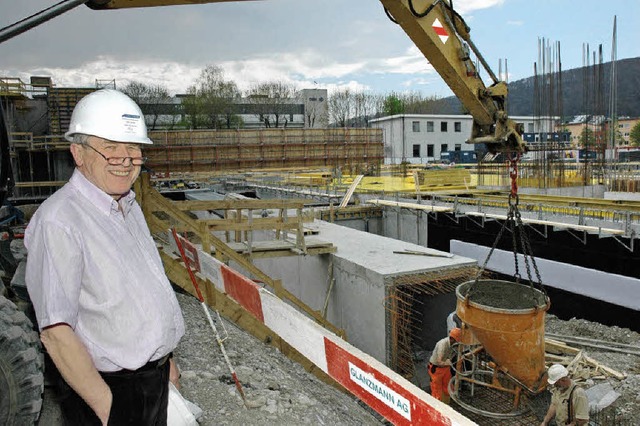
(627, 406)
(279, 390)
(282, 392)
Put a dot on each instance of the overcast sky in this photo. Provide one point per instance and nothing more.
(311, 43)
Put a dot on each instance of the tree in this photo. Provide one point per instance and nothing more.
(393, 105)
(416, 103)
(366, 106)
(154, 101)
(210, 102)
(272, 102)
(587, 138)
(340, 107)
(634, 136)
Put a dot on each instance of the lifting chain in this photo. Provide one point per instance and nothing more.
(515, 225)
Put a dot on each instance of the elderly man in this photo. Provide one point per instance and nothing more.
(440, 366)
(108, 316)
(569, 404)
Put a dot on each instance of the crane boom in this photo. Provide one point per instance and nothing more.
(443, 37)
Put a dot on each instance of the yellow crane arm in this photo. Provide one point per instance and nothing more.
(443, 38)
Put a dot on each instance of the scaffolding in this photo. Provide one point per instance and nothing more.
(209, 150)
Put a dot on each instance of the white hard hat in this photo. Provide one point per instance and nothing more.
(556, 372)
(109, 114)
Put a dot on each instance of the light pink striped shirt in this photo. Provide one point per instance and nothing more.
(97, 269)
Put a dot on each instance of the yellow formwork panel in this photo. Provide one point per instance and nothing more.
(407, 183)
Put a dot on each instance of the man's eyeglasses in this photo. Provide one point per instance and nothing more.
(118, 161)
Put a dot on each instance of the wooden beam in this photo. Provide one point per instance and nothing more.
(415, 206)
(197, 205)
(234, 312)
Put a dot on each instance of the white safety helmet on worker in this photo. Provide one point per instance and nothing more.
(111, 115)
(556, 372)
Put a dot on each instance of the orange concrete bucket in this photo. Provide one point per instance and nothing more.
(508, 320)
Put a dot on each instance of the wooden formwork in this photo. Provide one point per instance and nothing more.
(209, 150)
(163, 214)
(60, 105)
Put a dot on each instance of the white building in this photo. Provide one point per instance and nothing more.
(421, 138)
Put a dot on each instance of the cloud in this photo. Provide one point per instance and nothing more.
(412, 62)
(464, 7)
(298, 68)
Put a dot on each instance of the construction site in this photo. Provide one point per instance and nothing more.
(314, 243)
(377, 254)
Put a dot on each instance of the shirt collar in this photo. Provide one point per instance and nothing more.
(103, 201)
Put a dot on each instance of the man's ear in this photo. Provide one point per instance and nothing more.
(77, 152)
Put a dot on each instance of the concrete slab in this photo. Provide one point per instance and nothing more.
(376, 253)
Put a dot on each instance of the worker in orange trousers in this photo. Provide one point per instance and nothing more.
(440, 366)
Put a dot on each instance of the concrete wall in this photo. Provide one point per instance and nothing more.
(363, 265)
(623, 196)
(406, 225)
(355, 301)
(616, 289)
(372, 226)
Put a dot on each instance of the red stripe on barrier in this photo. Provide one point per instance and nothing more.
(242, 290)
(381, 393)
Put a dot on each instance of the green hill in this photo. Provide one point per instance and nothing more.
(577, 97)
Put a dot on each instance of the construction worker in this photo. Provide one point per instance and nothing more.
(569, 403)
(108, 316)
(440, 365)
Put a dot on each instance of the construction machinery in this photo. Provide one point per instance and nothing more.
(434, 26)
(501, 360)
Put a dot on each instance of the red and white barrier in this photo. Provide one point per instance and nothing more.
(385, 391)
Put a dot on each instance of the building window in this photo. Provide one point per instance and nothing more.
(416, 126)
(443, 126)
(430, 150)
(457, 126)
(458, 147)
(444, 147)
(429, 126)
(530, 127)
(416, 151)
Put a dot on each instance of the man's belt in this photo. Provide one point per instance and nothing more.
(150, 366)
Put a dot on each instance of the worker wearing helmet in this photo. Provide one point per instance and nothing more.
(108, 316)
(569, 403)
(440, 365)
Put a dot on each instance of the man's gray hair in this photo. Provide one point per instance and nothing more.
(80, 139)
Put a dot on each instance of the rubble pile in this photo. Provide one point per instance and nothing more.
(604, 360)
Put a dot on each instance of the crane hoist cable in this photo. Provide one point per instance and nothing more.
(519, 239)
